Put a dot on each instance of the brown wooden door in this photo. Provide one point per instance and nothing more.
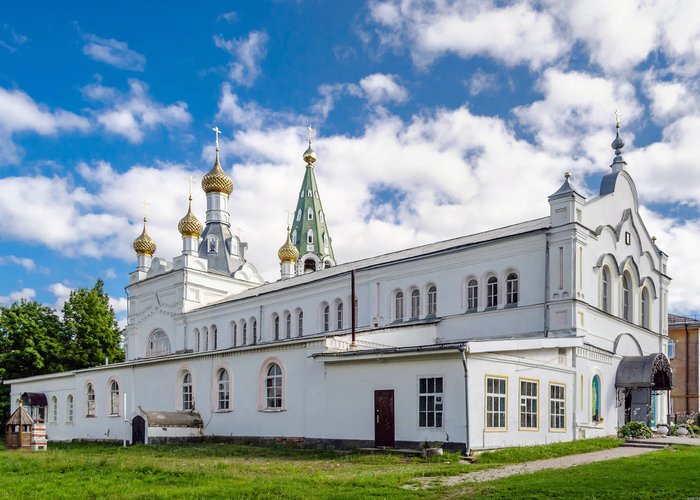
(384, 418)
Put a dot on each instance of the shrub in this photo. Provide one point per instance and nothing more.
(637, 430)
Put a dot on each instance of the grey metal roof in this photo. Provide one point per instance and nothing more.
(653, 370)
(566, 189)
(173, 419)
(394, 257)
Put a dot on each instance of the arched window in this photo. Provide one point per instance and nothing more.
(294, 234)
(309, 194)
(205, 334)
(234, 333)
(415, 304)
(158, 344)
(595, 399)
(212, 244)
(69, 408)
(339, 316)
(310, 237)
(114, 398)
(326, 318)
(492, 292)
(432, 300)
(288, 325)
(245, 333)
(310, 214)
(215, 337)
(626, 302)
(277, 327)
(273, 386)
(299, 215)
(645, 307)
(254, 336)
(54, 409)
(187, 396)
(325, 239)
(398, 306)
(300, 323)
(512, 289)
(320, 216)
(472, 295)
(223, 392)
(90, 393)
(197, 340)
(605, 290)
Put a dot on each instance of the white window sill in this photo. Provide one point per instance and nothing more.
(273, 410)
(113, 415)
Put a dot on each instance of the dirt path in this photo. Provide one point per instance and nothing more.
(529, 467)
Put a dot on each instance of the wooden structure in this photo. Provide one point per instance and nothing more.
(18, 430)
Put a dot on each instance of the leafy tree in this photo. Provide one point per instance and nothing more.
(90, 328)
(31, 344)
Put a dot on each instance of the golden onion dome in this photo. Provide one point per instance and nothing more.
(310, 155)
(189, 226)
(144, 244)
(288, 252)
(216, 181)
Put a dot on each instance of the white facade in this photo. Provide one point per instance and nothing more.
(559, 302)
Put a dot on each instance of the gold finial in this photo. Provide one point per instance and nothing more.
(617, 119)
(217, 132)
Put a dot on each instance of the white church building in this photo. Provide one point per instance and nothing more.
(552, 329)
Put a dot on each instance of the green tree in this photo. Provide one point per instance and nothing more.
(31, 343)
(90, 328)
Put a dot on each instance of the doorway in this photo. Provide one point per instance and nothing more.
(138, 430)
(384, 418)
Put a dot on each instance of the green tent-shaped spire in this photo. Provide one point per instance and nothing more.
(309, 230)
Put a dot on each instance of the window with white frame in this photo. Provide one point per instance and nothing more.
(245, 333)
(557, 406)
(273, 386)
(276, 322)
(300, 323)
(430, 400)
(223, 390)
(197, 340)
(512, 289)
(472, 295)
(339, 316)
(326, 318)
(645, 307)
(492, 292)
(114, 398)
(432, 300)
(310, 237)
(415, 304)
(90, 393)
(626, 301)
(54, 409)
(605, 290)
(529, 398)
(398, 306)
(310, 214)
(496, 402)
(187, 396)
(215, 337)
(288, 325)
(158, 344)
(69, 408)
(254, 333)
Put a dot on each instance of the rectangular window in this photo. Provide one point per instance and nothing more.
(186, 397)
(492, 293)
(671, 349)
(528, 404)
(557, 406)
(496, 402)
(430, 402)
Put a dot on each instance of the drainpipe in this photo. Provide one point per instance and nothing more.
(687, 368)
(260, 323)
(353, 314)
(546, 286)
(462, 350)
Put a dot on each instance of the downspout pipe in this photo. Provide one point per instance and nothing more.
(546, 285)
(463, 352)
(687, 368)
(353, 313)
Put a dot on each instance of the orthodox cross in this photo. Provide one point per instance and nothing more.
(617, 119)
(289, 213)
(191, 179)
(239, 230)
(217, 132)
(145, 204)
(310, 131)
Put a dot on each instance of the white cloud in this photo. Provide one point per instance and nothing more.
(27, 263)
(61, 292)
(110, 273)
(513, 34)
(247, 53)
(229, 17)
(481, 82)
(131, 115)
(17, 296)
(379, 87)
(250, 115)
(113, 52)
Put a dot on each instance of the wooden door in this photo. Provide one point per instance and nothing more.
(138, 430)
(384, 418)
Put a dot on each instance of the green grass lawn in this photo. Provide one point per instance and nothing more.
(224, 470)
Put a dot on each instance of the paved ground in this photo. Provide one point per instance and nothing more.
(551, 463)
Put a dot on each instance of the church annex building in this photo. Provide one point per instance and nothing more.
(553, 329)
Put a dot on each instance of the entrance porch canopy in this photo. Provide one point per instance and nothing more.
(652, 371)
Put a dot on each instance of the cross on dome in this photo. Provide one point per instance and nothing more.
(217, 132)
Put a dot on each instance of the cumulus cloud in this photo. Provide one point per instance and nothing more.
(132, 114)
(247, 54)
(380, 87)
(113, 52)
(21, 114)
(17, 296)
(61, 293)
(27, 263)
(377, 89)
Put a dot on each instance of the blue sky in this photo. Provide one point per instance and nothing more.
(433, 120)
